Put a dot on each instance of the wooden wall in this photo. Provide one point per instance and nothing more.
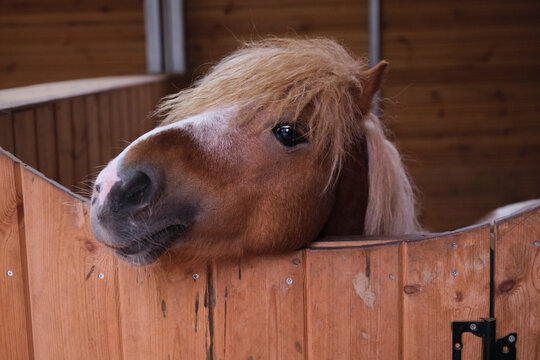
(462, 100)
(64, 296)
(53, 40)
(70, 138)
(461, 96)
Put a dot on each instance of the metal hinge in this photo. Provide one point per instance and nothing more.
(492, 348)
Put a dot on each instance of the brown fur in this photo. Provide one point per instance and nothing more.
(255, 196)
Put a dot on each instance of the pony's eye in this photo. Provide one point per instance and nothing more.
(289, 135)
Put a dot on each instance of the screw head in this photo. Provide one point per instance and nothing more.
(9, 273)
(473, 327)
(536, 243)
(101, 276)
(454, 245)
(391, 276)
(511, 338)
(195, 276)
(454, 272)
(289, 281)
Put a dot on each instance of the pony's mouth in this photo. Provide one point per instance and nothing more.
(150, 246)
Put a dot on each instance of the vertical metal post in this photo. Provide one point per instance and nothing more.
(173, 36)
(374, 32)
(152, 31)
(164, 31)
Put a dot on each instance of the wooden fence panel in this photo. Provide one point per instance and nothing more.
(6, 133)
(94, 141)
(105, 132)
(46, 140)
(353, 300)
(79, 124)
(517, 281)
(64, 136)
(74, 309)
(24, 132)
(259, 308)
(164, 312)
(15, 335)
(445, 279)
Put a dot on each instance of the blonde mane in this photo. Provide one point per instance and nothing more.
(290, 76)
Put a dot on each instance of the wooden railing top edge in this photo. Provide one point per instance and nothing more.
(41, 175)
(21, 97)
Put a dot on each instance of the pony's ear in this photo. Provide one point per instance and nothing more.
(371, 82)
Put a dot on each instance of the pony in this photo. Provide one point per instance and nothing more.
(274, 147)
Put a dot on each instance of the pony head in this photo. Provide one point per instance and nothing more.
(274, 146)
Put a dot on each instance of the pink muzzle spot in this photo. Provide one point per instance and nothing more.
(105, 181)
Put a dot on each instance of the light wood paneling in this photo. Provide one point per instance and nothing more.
(15, 330)
(517, 281)
(353, 303)
(165, 312)
(258, 313)
(444, 279)
(74, 310)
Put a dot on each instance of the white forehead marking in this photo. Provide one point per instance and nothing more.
(206, 128)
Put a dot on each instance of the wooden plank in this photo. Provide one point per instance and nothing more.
(164, 311)
(46, 141)
(353, 303)
(116, 123)
(259, 308)
(517, 279)
(24, 131)
(74, 310)
(6, 133)
(445, 279)
(79, 124)
(125, 118)
(36, 94)
(64, 136)
(15, 332)
(94, 143)
(105, 119)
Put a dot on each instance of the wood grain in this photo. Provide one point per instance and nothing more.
(64, 136)
(517, 281)
(258, 314)
(6, 135)
(353, 303)
(79, 123)
(74, 311)
(164, 312)
(46, 140)
(443, 282)
(24, 136)
(60, 40)
(15, 331)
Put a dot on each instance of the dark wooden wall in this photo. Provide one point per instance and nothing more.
(53, 40)
(462, 101)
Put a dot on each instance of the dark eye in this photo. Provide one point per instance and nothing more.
(289, 135)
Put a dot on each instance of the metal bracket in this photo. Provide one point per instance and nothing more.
(492, 348)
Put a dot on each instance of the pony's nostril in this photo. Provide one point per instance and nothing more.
(135, 190)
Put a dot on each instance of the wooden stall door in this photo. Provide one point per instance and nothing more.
(517, 281)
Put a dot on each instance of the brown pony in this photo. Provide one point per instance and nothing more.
(275, 146)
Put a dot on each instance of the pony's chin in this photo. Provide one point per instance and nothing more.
(150, 247)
